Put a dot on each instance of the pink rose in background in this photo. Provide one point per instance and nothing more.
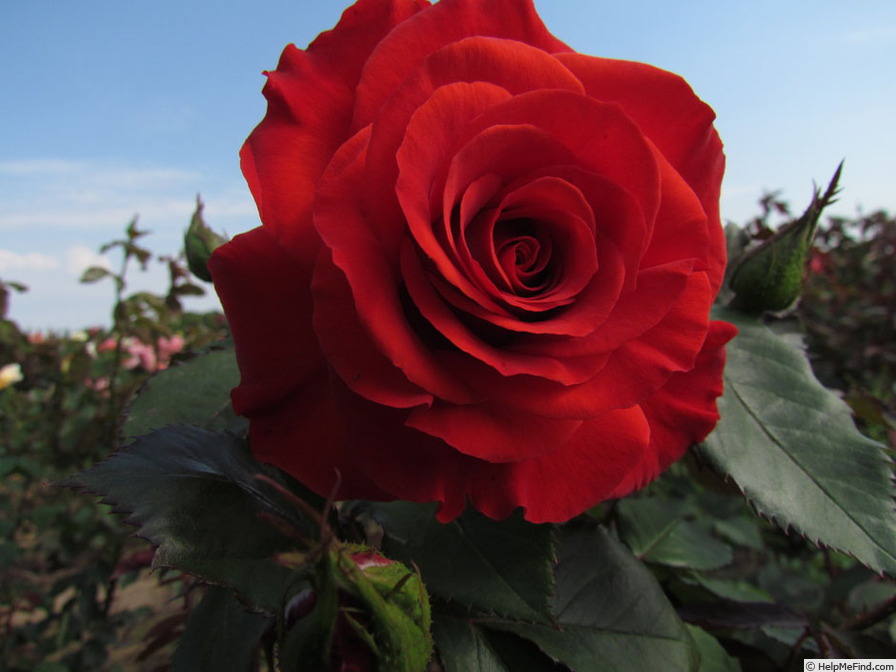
(149, 357)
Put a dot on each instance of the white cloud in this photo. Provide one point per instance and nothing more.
(873, 35)
(36, 167)
(57, 194)
(95, 171)
(56, 299)
(57, 213)
(14, 261)
(95, 196)
(77, 258)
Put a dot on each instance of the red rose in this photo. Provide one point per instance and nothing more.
(485, 267)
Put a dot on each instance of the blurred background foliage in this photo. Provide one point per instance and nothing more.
(76, 592)
(75, 588)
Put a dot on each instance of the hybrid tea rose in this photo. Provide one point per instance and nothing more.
(485, 265)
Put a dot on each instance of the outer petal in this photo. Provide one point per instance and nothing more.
(555, 487)
(375, 309)
(346, 48)
(683, 412)
(307, 119)
(266, 297)
(445, 22)
(493, 432)
(644, 364)
(681, 127)
(349, 348)
(310, 99)
(303, 435)
(681, 229)
(581, 473)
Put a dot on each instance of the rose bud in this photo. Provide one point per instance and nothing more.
(199, 243)
(485, 265)
(366, 613)
(770, 276)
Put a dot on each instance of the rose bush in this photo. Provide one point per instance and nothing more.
(485, 265)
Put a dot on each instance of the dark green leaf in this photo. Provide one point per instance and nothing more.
(188, 289)
(143, 255)
(611, 613)
(195, 392)
(94, 274)
(792, 448)
(738, 591)
(196, 495)
(148, 299)
(713, 657)
(220, 635)
(739, 530)
(50, 667)
(133, 231)
(464, 647)
(739, 615)
(859, 645)
(9, 552)
(866, 596)
(112, 245)
(502, 567)
(656, 533)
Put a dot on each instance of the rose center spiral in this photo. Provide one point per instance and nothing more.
(523, 257)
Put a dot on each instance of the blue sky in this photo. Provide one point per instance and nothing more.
(111, 109)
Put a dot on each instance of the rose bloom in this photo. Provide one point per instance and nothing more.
(10, 374)
(485, 265)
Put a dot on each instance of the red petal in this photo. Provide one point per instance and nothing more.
(555, 487)
(503, 359)
(512, 66)
(602, 138)
(349, 348)
(283, 158)
(633, 314)
(683, 412)
(346, 48)
(266, 296)
(678, 123)
(507, 152)
(310, 99)
(376, 303)
(582, 472)
(680, 231)
(623, 377)
(641, 366)
(492, 432)
(303, 436)
(445, 22)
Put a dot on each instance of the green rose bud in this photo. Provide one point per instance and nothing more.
(199, 243)
(396, 614)
(770, 276)
(365, 613)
